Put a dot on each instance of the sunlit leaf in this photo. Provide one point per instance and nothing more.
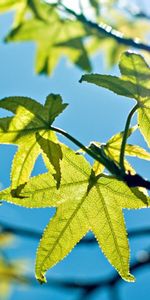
(54, 37)
(112, 149)
(54, 154)
(133, 83)
(82, 201)
(98, 168)
(10, 4)
(30, 118)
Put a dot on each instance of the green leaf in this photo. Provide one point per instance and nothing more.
(113, 52)
(83, 203)
(98, 168)
(54, 107)
(41, 191)
(112, 150)
(116, 139)
(133, 83)
(10, 4)
(113, 146)
(30, 118)
(96, 5)
(38, 8)
(76, 51)
(74, 218)
(24, 10)
(54, 154)
(54, 36)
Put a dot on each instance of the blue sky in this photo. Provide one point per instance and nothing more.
(93, 114)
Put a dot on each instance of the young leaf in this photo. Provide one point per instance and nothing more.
(113, 147)
(112, 150)
(133, 83)
(30, 118)
(82, 201)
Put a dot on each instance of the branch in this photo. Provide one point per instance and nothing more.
(106, 30)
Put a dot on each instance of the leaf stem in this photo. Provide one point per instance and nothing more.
(110, 165)
(125, 136)
(77, 143)
(112, 168)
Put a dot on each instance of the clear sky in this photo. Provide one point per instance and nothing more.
(93, 114)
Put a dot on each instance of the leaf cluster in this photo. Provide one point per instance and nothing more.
(56, 35)
(85, 197)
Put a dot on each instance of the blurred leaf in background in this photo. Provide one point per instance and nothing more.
(59, 31)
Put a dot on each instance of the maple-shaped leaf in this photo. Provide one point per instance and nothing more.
(112, 150)
(133, 83)
(30, 118)
(54, 37)
(84, 202)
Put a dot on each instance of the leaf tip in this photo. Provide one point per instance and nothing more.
(41, 278)
(129, 278)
